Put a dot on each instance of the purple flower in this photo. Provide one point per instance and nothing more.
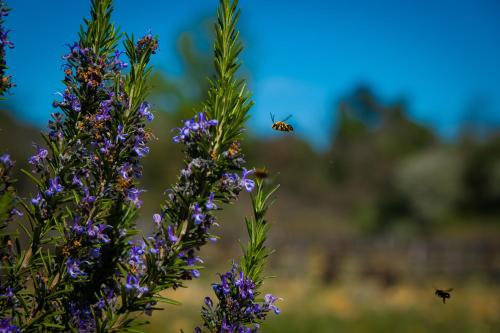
(194, 127)
(9, 295)
(81, 316)
(16, 211)
(226, 289)
(237, 310)
(245, 286)
(133, 284)
(125, 170)
(119, 65)
(5, 159)
(157, 219)
(3, 39)
(191, 260)
(248, 184)
(210, 203)
(6, 327)
(140, 147)
(87, 198)
(226, 327)
(101, 304)
(36, 200)
(70, 101)
(73, 267)
(106, 146)
(77, 229)
(231, 182)
(39, 156)
(206, 123)
(74, 50)
(103, 114)
(76, 181)
(144, 111)
(121, 136)
(270, 300)
(171, 235)
(95, 252)
(54, 186)
(97, 232)
(197, 214)
(136, 254)
(133, 196)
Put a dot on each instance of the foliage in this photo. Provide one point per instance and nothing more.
(85, 268)
(239, 308)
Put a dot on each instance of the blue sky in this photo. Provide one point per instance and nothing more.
(443, 56)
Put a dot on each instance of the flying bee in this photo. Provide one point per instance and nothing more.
(444, 294)
(282, 126)
(261, 173)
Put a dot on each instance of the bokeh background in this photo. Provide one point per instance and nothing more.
(390, 184)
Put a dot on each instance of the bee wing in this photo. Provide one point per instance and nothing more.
(290, 116)
(272, 117)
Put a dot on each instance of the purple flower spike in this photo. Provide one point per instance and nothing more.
(237, 309)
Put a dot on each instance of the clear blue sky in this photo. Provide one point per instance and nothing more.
(442, 56)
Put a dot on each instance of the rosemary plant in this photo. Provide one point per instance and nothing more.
(212, 160)
(239, 308)
(85, 268)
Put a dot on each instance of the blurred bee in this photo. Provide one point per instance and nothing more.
(261, 173)
(281, 126)
(444, 294)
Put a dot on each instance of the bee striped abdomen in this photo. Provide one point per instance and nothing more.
(282, 126)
